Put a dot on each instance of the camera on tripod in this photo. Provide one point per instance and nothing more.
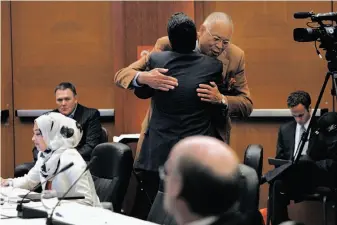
(323, 32)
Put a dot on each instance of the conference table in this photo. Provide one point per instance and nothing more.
(68, 212)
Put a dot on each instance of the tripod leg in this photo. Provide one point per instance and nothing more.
(305, 134)
(334, 91)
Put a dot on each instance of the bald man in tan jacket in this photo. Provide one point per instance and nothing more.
(235, 94)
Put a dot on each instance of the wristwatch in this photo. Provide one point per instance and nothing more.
(223, 100)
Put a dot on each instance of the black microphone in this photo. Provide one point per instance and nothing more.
(50, 218)
(19, 207)
(303, 15)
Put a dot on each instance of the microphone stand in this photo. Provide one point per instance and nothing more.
(49, 220)
(32, 214)
(334, 92)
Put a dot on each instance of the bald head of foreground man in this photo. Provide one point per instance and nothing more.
(201, 181)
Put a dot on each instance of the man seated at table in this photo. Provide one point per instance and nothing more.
(202, 183)
(314, 168)
(66, 100)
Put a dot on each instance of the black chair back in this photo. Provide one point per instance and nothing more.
(249, 198)
(111, 172)
(249, 203)
(105, 135)
(254, 158)
(157, 213)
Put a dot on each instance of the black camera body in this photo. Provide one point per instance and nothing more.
(324, 32)
(313, 34)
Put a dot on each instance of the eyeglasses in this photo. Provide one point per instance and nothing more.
(218, 39)
(162, 172)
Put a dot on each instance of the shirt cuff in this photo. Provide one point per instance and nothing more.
(134, 81)
(224, 100)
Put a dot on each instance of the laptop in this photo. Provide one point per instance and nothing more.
(277, 162)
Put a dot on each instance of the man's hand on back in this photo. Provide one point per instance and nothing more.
(156, 80)
(209, 93)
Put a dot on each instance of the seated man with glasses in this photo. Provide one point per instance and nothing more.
(202, 183)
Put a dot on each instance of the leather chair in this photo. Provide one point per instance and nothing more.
(254, 158)
(105, 135)
(157, 213)
(249, 200)
(111, 172)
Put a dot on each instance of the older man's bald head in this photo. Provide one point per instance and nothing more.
(217, 156)
(206, 175)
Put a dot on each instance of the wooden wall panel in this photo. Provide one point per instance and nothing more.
(118, 43)
(7, 139)
(55, 42)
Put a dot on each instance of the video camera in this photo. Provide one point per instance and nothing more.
(312, 34)
(324, 33)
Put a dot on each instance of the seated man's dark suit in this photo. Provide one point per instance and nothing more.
(302, 178)
(178, 113)
(92, 131)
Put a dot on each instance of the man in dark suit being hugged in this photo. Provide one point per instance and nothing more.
(88, 118)
(303, 177)
(177, 113)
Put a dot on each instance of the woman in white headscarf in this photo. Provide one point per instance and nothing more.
(56, 136)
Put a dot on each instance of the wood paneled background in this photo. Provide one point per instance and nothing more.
(44, 43)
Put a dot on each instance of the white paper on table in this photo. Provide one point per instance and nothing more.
(75, 213)
(12, 192)
(126, 136)
(9, 209)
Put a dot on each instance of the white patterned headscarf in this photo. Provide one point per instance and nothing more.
(60, 133)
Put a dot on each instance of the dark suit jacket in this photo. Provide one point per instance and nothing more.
(177, 113)
(92, 130)
(286, 141)
(322, 162)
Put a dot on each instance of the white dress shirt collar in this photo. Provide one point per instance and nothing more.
(306, 125)
(298, 138)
